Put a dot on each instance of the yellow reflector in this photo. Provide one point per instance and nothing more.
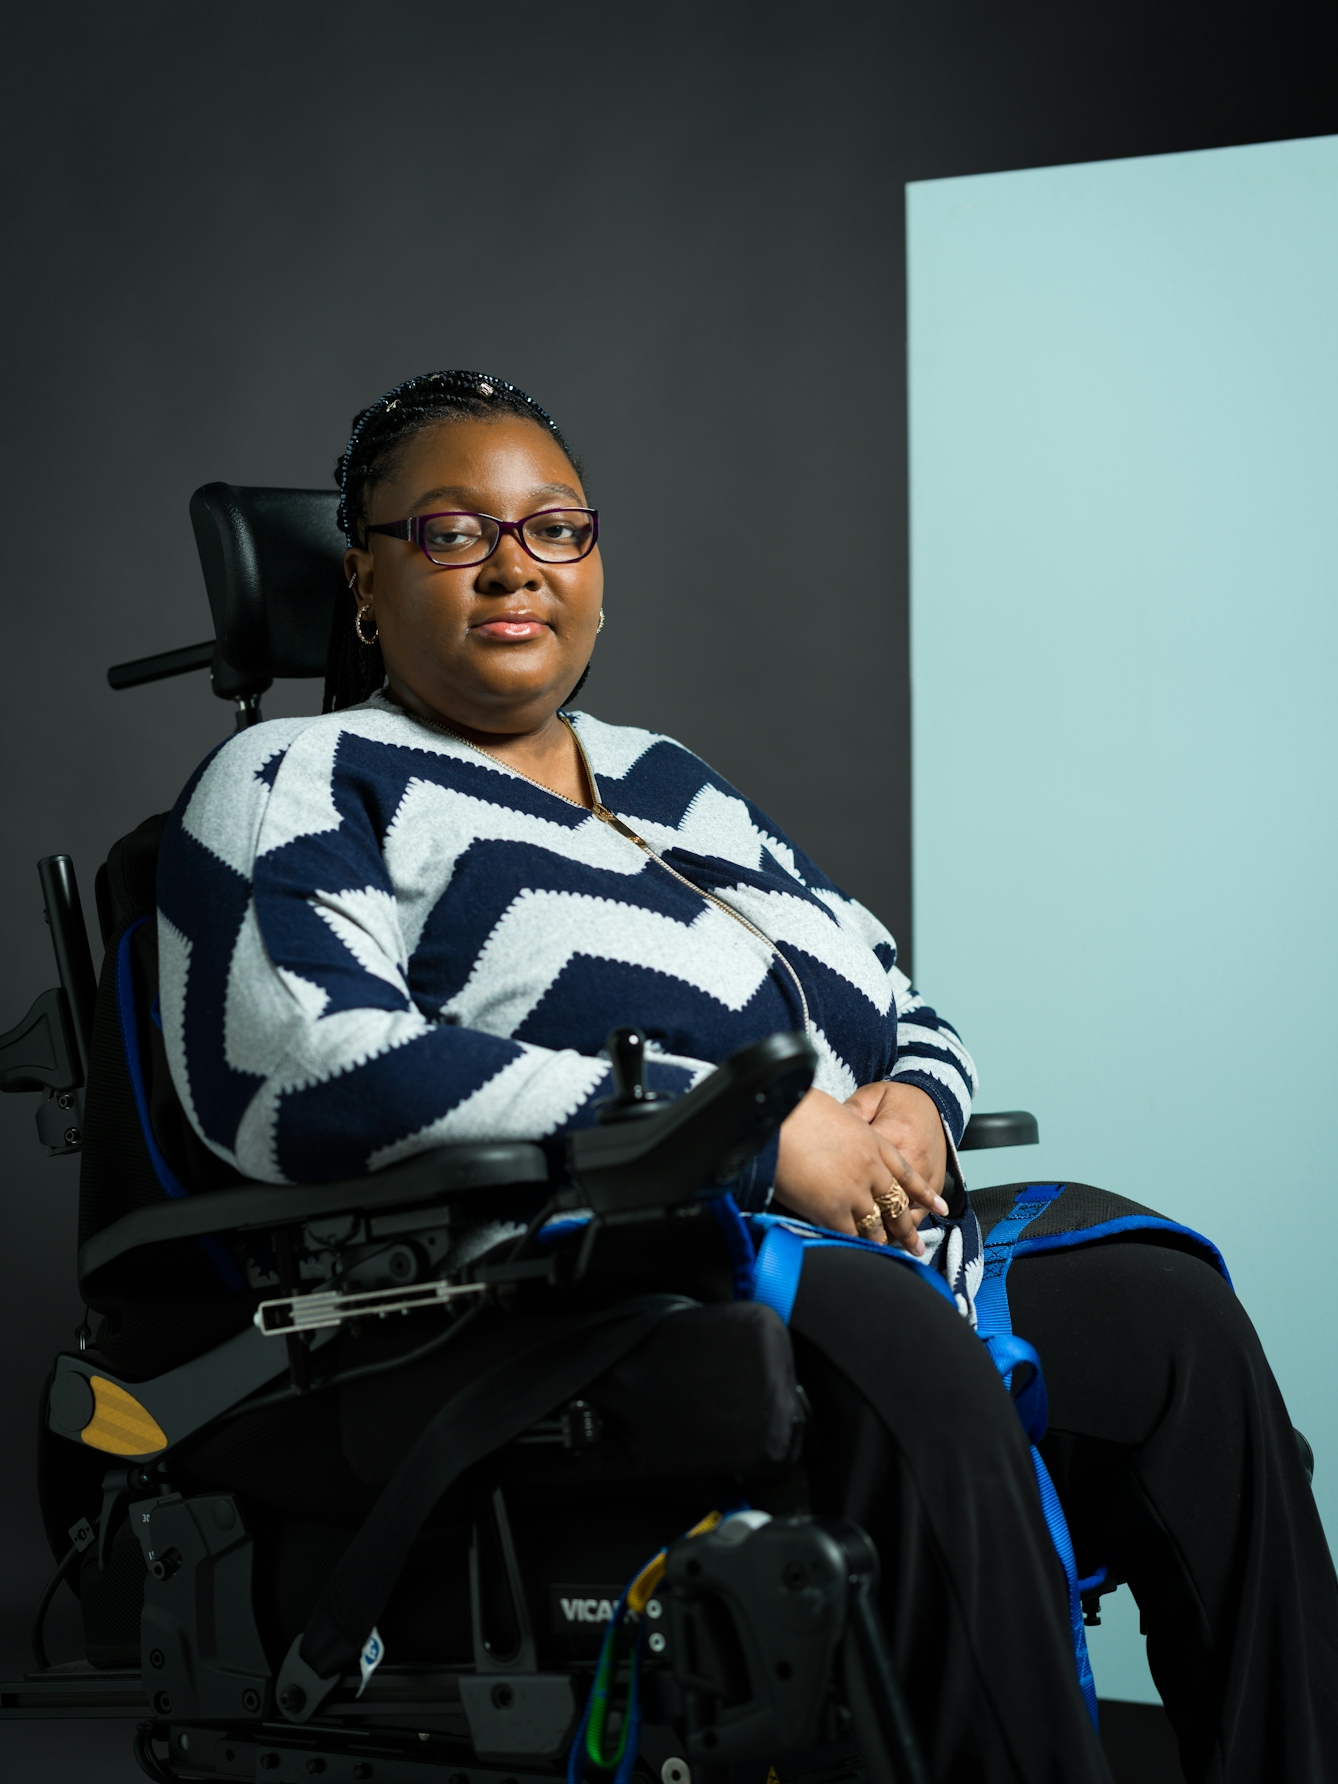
(120, 1425)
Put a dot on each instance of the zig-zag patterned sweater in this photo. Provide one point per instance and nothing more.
(374, 939)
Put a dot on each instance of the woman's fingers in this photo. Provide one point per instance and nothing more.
(834, 1166)
(908, 1116)
(903, 1231)
(909, 1178)
(869, 1225)
(891, 1172)
(903, 1228)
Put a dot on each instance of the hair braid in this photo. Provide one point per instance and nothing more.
(379, 434)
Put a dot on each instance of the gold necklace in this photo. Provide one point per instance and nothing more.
(502, 762)
(601, 811)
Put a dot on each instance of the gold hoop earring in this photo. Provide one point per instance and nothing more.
(357, 627)
(600, 627)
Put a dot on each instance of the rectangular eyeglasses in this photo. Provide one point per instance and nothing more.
(456, 539)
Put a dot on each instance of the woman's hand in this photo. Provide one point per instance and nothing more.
(834, 1162)
(908, 1117)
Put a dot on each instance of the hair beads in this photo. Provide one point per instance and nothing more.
(380, 430)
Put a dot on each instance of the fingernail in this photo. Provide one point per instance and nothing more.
(940, 1206)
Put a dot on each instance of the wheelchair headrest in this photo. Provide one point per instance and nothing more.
(273, 571)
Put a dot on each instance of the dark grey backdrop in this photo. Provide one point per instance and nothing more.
(678, 225)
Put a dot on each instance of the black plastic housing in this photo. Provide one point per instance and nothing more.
(273, 562)
(700, 1140)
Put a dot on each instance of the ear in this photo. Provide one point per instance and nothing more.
(358, 572)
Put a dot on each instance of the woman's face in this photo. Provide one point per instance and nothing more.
(498, 646)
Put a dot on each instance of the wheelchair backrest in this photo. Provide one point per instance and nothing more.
(138, 1146)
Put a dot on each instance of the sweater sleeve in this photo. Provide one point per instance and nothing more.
(931, 1056)
(294, 1040)
(924, 1048)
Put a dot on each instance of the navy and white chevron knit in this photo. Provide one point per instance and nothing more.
(374, 939)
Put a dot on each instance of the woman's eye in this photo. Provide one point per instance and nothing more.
(561, 532)
(449, 535)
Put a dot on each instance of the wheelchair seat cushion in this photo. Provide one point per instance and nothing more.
(1082, 1214)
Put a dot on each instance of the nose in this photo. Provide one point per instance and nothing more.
(509, 568)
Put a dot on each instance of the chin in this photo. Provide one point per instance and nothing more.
(524, 690)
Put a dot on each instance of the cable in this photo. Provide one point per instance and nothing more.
(364, 1370)
(37, 1637)
(384, 1367)
(281, 1396)
(148, 1761)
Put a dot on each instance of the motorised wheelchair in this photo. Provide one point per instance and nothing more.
(592, 1552)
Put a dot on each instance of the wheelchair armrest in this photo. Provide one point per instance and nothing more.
(448, 1173)
(1010, 1127)
(41, 1052)
(700, 1141)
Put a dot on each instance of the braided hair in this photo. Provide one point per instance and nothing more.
(379, 436)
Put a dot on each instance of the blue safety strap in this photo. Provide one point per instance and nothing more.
(780, 1259)
(994, 1323)
(1009, 1354)
(992, 1313)
(171, 1184)
(738, 1242)
(1059, 1536)
(781, 1244)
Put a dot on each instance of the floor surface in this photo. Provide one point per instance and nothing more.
(1137, 1738)
(68, 1753)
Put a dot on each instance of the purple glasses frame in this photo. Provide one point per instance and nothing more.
(412, 530)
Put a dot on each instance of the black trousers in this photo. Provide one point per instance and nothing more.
(1176, 1463)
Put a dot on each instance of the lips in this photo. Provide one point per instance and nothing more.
(511, 627)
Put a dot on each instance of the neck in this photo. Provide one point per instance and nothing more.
(546, 753)
(508, 731)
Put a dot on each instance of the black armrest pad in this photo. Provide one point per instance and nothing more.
(1010, 1127)
(441, 1175)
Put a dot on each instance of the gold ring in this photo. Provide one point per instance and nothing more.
(893, 1204)
(870, 1223)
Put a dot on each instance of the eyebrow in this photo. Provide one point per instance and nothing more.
(457, 493)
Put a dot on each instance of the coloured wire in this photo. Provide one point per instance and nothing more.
(624, 1640)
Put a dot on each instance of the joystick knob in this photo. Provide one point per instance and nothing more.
(626, 1048)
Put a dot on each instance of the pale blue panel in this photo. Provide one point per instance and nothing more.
(1124, 489)
(1117, 1651)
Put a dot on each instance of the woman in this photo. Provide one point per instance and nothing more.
(414, 919)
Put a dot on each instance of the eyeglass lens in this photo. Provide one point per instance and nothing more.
(558, 536)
